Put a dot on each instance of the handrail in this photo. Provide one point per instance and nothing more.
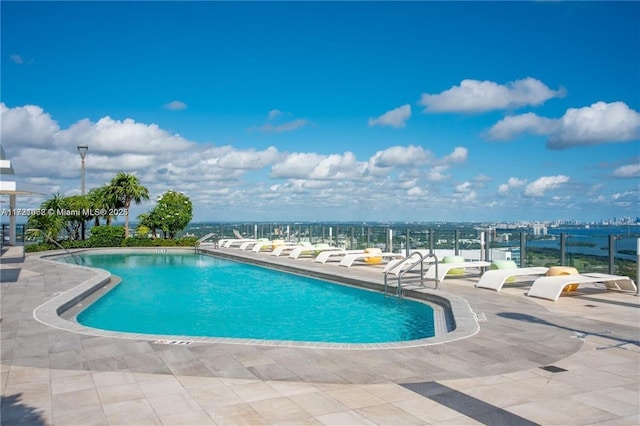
(201, 239)
(421, 263)
(55, 243)
(396, 266)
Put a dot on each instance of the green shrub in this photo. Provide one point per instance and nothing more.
(106, 236)
(159, 242)
(187, 241)
(33, 248)
(73, 244)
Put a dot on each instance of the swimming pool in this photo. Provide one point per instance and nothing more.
(199, 295)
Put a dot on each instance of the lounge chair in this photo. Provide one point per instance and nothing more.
(551, 287)
(369, 256)
(444, 268)
(495, 278)
(288, 248)
(324, 256)
(269, 245)
(237, 243)
(311, 251)
(247, 245)
(225, 242)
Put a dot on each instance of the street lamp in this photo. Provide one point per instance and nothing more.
(82, 149)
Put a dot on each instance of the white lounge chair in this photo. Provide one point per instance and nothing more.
(248, 245)
(551, 287)
(225, 242)
(238, 243)
(313, 250)
(288, 248)
(349, 259)
(324, 256)
(269, 245)
(235, 242)
(495, 279)
(444, 268)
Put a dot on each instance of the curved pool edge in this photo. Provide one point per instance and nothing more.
(49, 313)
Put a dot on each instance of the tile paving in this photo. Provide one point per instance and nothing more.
(52, 374)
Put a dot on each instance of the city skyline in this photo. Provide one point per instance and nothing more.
(334, 111)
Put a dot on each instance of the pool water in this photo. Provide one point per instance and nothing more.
(198, 295)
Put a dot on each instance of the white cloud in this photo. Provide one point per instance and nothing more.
(397, 117)
(506, 128)
(459, 155)
(249, 159)
(596, 124)
(473, 96)
(436, 174)
(628, 171)
(17, 59)
(27, 126)
(273, 114)
(115, 136)
(464, 187)
(541, 185)
(319, 167)
(175, 105)
(284, 127)
(230, 183)
(416, 191)
(397, 156)
(512, 183)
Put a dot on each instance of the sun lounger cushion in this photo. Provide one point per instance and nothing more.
(373, 260)
(504, 264)
(564, 270)
(454, 259)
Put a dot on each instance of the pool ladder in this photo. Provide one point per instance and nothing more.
(202, 239)
(421, 257)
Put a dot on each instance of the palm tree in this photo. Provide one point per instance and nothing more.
(52, 223)
(126, 188)
(102, 200)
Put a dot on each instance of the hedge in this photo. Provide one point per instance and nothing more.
(112, 236)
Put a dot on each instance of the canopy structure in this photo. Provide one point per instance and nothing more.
(8, 186)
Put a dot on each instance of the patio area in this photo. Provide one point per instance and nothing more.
(533, 361)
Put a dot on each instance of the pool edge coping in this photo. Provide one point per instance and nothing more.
(48, 313)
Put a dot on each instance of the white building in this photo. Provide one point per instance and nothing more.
(8, 186)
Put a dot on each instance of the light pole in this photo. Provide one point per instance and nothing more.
(82, 149)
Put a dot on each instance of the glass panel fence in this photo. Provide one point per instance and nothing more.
(602, 249)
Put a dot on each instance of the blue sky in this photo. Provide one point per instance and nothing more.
(364, 111)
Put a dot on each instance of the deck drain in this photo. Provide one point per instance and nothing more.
(172, 342)
(480, 317)
(591, 306)
(553, 369)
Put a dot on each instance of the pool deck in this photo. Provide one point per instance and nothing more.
(519, 361)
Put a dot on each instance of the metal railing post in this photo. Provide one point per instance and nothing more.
(407, 247)
(638, 267)
(612, 253)
(487, 247)
(431, 240)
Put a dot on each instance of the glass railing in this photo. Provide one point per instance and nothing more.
(603, 249)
